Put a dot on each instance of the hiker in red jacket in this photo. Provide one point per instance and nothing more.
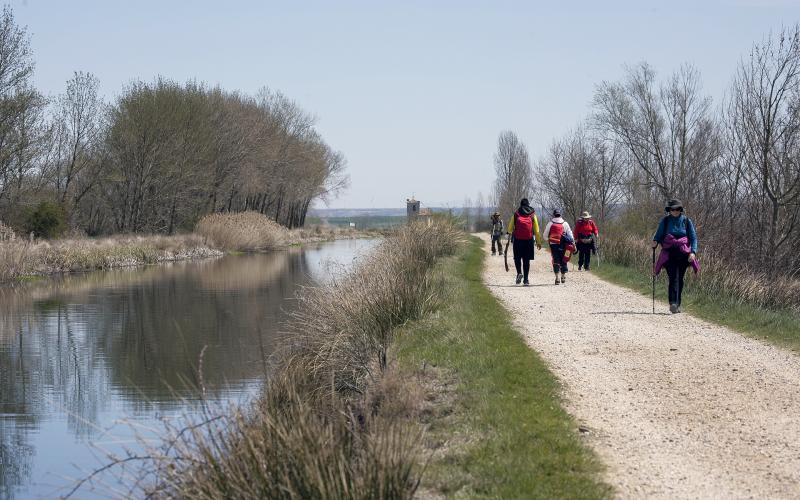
(585, 239)
(524, 228)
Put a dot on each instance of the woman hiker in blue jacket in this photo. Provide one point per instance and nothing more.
(678, 239)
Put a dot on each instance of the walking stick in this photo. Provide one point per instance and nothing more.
(654, 280)
(505, 253)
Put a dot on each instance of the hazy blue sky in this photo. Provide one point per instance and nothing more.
(414, 93)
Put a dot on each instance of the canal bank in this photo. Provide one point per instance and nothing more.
(89, 360)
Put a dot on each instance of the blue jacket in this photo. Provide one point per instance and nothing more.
(678, 227)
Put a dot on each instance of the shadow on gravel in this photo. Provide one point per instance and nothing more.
(631, 312)
(518, 286)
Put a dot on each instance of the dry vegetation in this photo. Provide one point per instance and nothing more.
(23, 258)
(246, 231)
(334, 419)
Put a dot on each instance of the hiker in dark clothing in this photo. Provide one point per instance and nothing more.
(585, 239)
(497, 233)
(678, 239)
(524, 228)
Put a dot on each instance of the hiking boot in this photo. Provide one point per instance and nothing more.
(679, 309)
(557, 282)
(525, 283)
(493, 253)
(586, 268)
(673, 308)
(519, 279)
(563, 278)
(579, 268)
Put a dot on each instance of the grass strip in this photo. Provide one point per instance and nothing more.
(779, 327)
(506, 435)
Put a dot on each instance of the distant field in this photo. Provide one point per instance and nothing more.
(361, 221)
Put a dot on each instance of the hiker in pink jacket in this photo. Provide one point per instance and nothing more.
(678, 239)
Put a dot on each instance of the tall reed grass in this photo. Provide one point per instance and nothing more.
(22, 258)
(741, 281)
(332, 421)
(244, 231)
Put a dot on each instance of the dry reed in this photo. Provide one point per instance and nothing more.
(22, 258)
(245, 231)
(334, 417)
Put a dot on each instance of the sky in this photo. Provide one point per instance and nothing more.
(414, 93)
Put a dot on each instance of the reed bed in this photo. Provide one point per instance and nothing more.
(244, 231)
(718, 277)
(334, 418)
(23, 258)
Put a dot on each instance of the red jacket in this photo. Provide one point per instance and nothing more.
(585, 228)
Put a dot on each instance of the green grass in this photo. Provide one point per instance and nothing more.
(505, 434)
(780, 327)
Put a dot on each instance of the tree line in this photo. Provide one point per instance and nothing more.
(158, 157)
(735, 165)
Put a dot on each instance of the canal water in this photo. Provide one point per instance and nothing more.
(89, 361)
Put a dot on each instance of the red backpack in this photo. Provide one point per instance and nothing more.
(523, 226)
(556, 230)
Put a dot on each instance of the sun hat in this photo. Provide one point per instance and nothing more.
(674, 204)
(585, 215)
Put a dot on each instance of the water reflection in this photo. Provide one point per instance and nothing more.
(83, 351)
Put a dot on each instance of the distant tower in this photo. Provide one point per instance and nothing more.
(412, 208)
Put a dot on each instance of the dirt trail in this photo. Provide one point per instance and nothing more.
(675, 407)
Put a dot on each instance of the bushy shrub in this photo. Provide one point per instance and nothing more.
(47, 220)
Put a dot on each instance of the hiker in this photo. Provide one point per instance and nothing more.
(585, 239)
(678, 239)
(523, 228)
(559, 235)
(497, 233)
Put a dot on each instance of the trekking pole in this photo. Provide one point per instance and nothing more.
(505, 253)
(654, 280)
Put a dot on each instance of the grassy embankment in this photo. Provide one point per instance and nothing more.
(501, 432)
(750, 303)
(368, 362)
(244, 232)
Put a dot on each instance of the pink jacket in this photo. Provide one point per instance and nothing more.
(682, 244)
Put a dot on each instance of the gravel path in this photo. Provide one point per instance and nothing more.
(675, 407)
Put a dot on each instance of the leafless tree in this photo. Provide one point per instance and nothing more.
(581, 172)
(512, 166)
(765, 100)
(77, 132)
(668, 130)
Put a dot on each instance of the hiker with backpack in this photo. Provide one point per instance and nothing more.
(678, 239)
(559, 236)
(585, 239)
(524, 228)
(497, 233)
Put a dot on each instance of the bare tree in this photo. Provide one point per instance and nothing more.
(669, 131)
(513, 169)
(766, 112)
(77, 131)
(20, 104)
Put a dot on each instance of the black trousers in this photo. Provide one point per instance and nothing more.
(496, 238)
(557, 251)
(523, 254)
(584, 254)
(676, 270)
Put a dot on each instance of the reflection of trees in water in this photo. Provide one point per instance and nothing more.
(16, 453)
(134, 340)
